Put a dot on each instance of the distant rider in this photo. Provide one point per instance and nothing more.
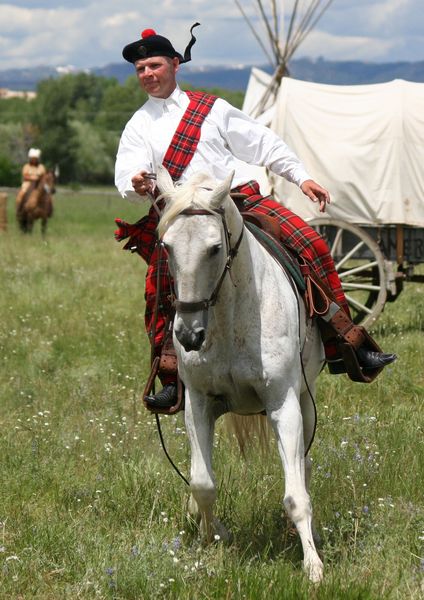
(32, 171)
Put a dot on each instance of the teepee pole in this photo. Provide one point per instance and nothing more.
(300, 24)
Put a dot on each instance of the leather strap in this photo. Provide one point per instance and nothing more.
(264, 222)
(346, 330)
(168, 357)
(318, 297)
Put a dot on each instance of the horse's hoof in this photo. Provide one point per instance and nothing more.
(314, 569)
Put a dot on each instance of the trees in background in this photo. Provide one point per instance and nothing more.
(16, 135)
(77, 121)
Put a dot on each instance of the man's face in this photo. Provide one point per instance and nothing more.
(156, 75)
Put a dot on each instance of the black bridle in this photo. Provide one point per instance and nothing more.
(187, 307)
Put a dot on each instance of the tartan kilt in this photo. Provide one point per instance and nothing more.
(295, 233)
(143, 239)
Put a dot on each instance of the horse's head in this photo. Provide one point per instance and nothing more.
(196, 231)
(49, 180)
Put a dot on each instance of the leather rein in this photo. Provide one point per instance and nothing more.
(187, 307)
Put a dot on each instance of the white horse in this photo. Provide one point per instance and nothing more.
(239, 331)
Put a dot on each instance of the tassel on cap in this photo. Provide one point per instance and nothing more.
(187, 51)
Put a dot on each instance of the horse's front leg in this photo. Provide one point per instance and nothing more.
(287, 423)
(200, 421)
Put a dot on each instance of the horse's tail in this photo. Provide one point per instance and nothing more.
(251, 430)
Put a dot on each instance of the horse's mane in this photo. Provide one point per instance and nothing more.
(193, 194)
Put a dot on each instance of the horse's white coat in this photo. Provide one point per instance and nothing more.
(243, 354)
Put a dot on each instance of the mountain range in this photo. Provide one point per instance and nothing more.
(235, 77)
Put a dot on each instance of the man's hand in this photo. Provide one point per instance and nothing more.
(141, 184)
(316, 193)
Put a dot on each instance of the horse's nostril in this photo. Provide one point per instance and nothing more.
(191, 340)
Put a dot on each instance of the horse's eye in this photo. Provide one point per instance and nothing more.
(214, 250)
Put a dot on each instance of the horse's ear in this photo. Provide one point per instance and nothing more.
(222, 191)
(164, 180)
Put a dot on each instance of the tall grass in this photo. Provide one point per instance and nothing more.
(90, 508)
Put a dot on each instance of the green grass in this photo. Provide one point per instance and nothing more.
(89, 506)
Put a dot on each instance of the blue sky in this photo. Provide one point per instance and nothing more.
(91, 33)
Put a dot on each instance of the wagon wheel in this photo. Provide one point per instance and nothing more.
(360, 265)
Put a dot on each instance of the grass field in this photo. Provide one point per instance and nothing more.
(89, 506)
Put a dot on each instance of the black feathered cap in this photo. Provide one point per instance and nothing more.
(151, 44)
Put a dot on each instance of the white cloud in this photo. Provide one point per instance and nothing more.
(119, 19)
(90, 33)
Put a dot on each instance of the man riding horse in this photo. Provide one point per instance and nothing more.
(32, 171)
(191, 132)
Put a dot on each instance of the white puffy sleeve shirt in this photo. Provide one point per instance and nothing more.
(226, 133)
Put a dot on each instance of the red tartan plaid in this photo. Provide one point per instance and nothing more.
(184, 143)
(297, 235)
(142, 235)
(143, 240)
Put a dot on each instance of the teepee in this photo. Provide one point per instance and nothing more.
(280, 27)
(283, 27)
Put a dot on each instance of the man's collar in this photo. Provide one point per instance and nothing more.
(177, 98)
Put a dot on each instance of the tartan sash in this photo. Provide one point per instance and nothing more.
(187, 135)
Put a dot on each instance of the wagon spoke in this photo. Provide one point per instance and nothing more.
(336, 241)
(363, 267)
(360, 267)
(358, 305)
(362, 286)
(349, 255)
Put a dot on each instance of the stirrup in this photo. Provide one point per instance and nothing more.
(353, 368)
(349, 362)
(179, 405)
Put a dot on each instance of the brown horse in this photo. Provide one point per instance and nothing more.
(37, 203)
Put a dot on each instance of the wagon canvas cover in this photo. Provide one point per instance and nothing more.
(365, 143)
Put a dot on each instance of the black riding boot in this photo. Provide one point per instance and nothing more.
(368, 359)
(167, 397)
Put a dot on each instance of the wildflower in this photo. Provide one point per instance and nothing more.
(176, 543)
